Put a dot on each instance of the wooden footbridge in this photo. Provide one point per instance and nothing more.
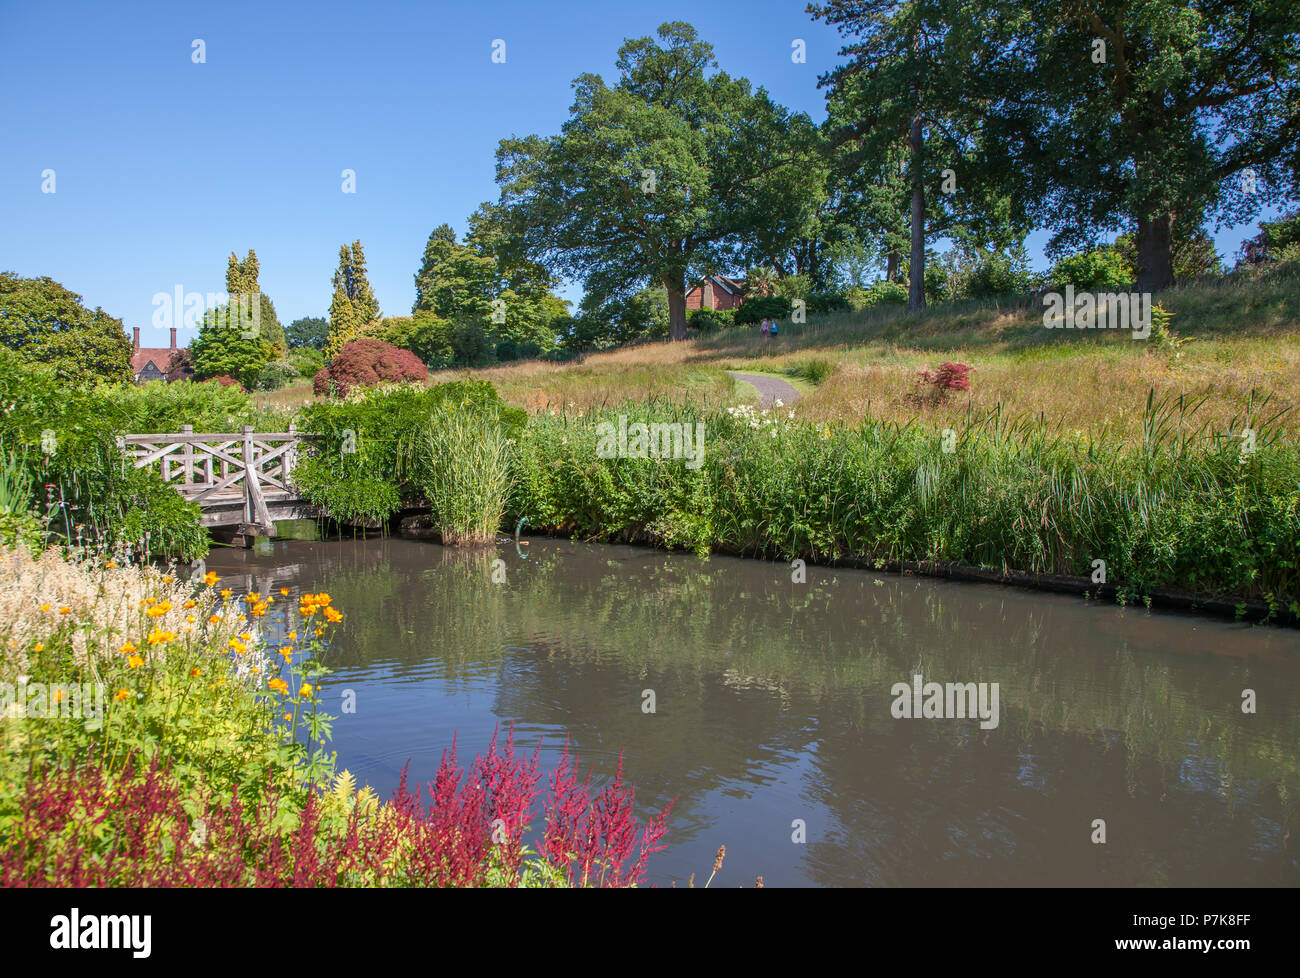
(243, 480)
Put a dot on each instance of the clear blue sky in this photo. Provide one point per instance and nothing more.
(163, 167)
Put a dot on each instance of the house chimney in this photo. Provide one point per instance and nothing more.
(173, 337)
(135, 342)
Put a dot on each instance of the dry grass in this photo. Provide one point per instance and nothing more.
(1245, 332)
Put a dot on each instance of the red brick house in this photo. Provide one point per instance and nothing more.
(155, 362)
(717, 292)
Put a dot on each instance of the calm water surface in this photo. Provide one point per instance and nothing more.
(773, 705)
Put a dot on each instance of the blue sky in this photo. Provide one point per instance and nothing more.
(163, 166)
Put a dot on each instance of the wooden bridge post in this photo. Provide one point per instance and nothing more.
(257, 517)
(188, 454)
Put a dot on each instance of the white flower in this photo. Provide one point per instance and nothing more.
(780, 403)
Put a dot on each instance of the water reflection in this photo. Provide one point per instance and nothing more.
(772, 709)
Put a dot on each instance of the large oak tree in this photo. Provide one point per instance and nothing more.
(671, 173)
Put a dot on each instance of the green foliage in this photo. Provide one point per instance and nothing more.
(1186, 511)
(307, 360)
(599, 326)
(67, 439)
(353, 307)
(230, 345)
(277, 374)
(728, 165)
(454, 281)
(19, 524)
(460, 459)
(310, 331)
(883, 292)
(161, 407)
(353, 471)
(241, 280)
(769, 307)
(708, 320)
(44, 323)
(1104, 269)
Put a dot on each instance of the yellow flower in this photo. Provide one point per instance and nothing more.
(121, 694)
(305, 691)
(65, 610)
(189, 604)
(128, 648)
(210, 578)
(159, 637)
(38, 647)
(293, 636)
(112, 563)
(284, 592)
(279, 685)
(135, 662)
(191, 619)
(195, 672)
(225, 592)
(319, 631)
(246, 636)
(288, 716)
(214, 619)
(45, 607)
(334, 615)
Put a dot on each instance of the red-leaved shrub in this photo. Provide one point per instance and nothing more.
(225, 380)
(933, 386)
(365, 362)
(79, 827)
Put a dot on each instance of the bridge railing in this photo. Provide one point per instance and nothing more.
(216, 469)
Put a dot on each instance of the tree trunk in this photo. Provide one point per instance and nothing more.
(891, 266)
(676, 311)
(1155, 252)
(916, 277)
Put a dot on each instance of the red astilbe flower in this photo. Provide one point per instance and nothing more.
(81, 826)
(589, 837)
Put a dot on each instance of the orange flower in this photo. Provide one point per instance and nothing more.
(128, 648)
(225, 592)
(191, 619)
(38, 647)
(190, 604)
(135, 662)
(288, 716)
(45, 607)
(319, 631)
(65, 610)
(160, 637)
(279, 685)
(210, 578)
(214, 619)
(121, 694)
(334, 615)
(293, 636)
(195, 672)
(112, 563)
(284, 592)
(305, 691)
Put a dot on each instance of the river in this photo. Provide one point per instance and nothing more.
(774, 703)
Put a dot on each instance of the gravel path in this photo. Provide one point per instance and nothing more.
(769, 388)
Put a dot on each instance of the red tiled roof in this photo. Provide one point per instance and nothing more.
(160, 355)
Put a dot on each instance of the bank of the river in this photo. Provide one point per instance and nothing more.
(159, 731)
(1213, 517)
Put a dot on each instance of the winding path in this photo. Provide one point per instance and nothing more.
(769, 388)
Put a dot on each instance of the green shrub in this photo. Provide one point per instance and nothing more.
(767, 307)
(708, 320)
(459, 459)
(353, 470)
(1105, 269)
